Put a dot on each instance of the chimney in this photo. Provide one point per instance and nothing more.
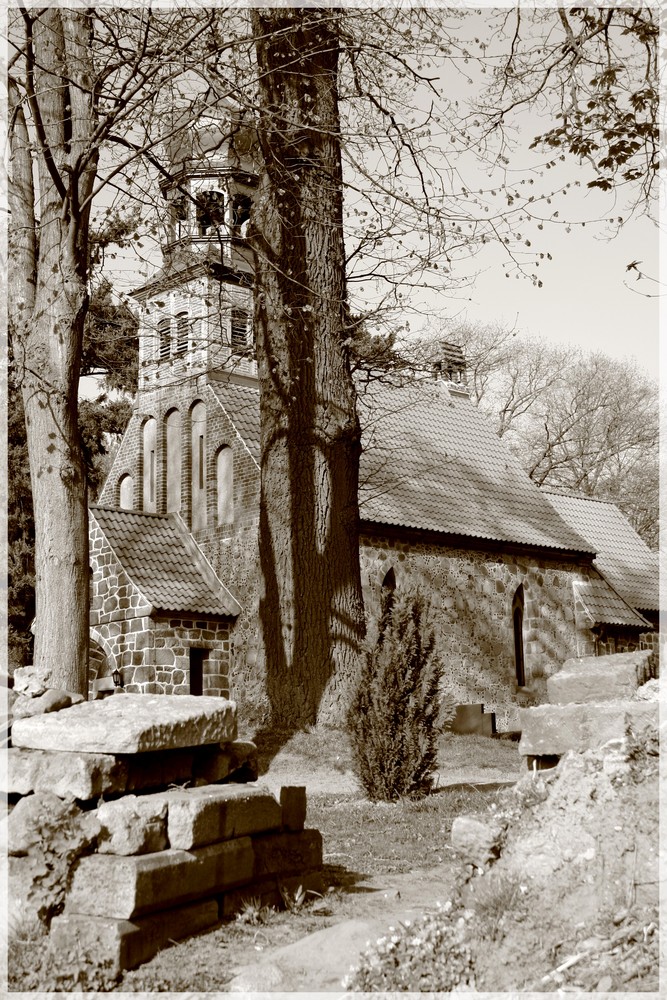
(451, 366)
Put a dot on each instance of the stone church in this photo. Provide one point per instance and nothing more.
(519, 578)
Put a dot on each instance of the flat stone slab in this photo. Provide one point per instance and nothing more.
(555, 729)
(199, 816)
(592, 678)
(130, 723)
(124, 944)
(107, 885)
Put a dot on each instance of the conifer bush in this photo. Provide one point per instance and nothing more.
(393, 721)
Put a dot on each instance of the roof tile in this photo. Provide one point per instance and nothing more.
(164, 562)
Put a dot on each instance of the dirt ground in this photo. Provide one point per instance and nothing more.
(570, 905)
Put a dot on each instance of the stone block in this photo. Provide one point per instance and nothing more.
(125, 944)
(596, 678)
(475, 841)
(287, 853)
(555, 729)
(293, 805)
(199, 816)
(53, 700)
(69, 775)
(107, 885)
(132, 724)
(132, 825)
(236, 760)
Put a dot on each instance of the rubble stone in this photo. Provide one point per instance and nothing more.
(107, 885)
(132, 825)
(476, 841)
(132, 724)
(53, 700)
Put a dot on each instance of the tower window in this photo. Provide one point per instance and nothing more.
(210, 211)
(240, 327)
(241, 215)
(225, 485)
(182, 332)
(149, 449)
(164, 338)
(517, 625)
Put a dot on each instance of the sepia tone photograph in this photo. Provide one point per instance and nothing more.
(332, 497)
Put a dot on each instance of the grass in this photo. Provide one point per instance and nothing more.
(325, 748)
(377, 838)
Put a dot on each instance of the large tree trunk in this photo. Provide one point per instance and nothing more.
(311, 609)
(48, 302)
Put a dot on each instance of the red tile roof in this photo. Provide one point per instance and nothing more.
(432, 461)
(164, 562)
(623, 558)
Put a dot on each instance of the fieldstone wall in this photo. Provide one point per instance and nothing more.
(471, 594)
(151, 652)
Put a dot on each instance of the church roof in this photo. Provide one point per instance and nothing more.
(241, 404)
(623, 558)
(431, 461)
(164, 562)
(606, 607)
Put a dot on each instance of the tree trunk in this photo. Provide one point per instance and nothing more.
(311, 608)
(48, 302)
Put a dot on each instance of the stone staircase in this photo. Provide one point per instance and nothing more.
(592, 700)
(176, 835)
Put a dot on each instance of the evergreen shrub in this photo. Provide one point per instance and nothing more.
(393, 721)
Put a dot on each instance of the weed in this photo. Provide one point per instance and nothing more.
(254, 912)
(492, 897)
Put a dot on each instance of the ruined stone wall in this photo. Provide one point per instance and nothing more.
(471, 594)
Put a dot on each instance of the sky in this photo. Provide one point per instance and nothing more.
(588, 297)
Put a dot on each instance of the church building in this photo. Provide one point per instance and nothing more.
(519, 579)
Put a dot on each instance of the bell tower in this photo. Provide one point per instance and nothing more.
(196, 312)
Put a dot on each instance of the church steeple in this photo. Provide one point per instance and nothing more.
(196, 312)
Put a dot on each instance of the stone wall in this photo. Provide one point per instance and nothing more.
(471, 593)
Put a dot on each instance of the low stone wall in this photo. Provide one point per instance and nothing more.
(118, 853)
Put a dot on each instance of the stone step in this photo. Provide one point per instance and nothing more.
(200, 816)
(555, 729)
(596, 678)
(130, 724)
(124, 944)
(127, 887)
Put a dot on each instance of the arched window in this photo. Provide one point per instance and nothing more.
(241, 207)
(386, 600)
(517, 625)
(182, 332)
(164, 338)
(198, 465)
(210, 211)
(173, 456)
(126, 492)
(225, 485)
(150, 468)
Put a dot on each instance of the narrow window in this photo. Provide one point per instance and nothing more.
(182, 332)
(126, 492)
(149, 447)
(240, 325)
(198, 460)
(225, 485)
(173, 458)
(164, 337)
(517, 624)
(197, 660)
